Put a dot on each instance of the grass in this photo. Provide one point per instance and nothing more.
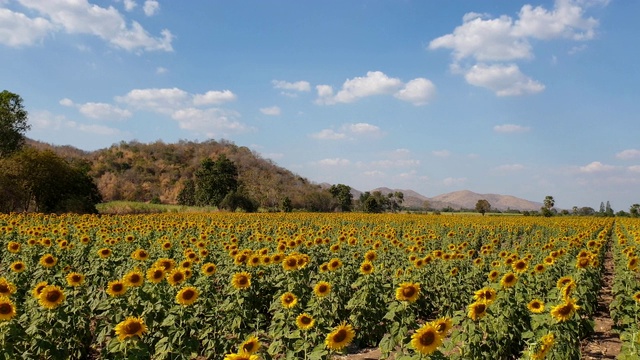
(134, 207)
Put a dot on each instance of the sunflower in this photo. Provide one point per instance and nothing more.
(563, 281)
(37, 290)
(633, 263)
(7, 309)
(340, 337)
(568, 289)
(508, 280)
(250, 346)
(241, 280)
(290, 263)
(187, 296)
(538, 269)
(486, 295)
(408, 292)
(334, 264)
(583, 262)
(366, 268)
(454, 271)
(208, 269)
(443, 325)
(48, 261)
(288, 300)
(322, 289)
(520, 266)
(370, 255)
(636, 297)
(75, 279)
(13, 247)
(305, 321)
(493, 275)
(6, 287)
(426, 340)
(165, 263)
(132, 326)
(545, 344)
(477, 310)
(176, 276)
(51, 296)
(324, 267)
(104, 253)
(536, 306)
(565, 311)
(155, 274)
(116, 288)
(133, 279)
(241, 356)
(18, 266)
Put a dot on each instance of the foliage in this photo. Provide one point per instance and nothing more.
(13, 123)
(187, 195)
(214, 180)
(342, 194)
(482, 206)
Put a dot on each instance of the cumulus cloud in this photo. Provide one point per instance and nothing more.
(328, 134)
(596, 167)
(396, 163)
(213, 97)
(296, 86)
(164, 100)
(348, 131)
(151, 7)
(78, 17)
(46, 121)
(96, 110)
(628, 154)
(486, 40)
(362, 128)
(129, 5)
(504, 80)
(511, 128)
(211, 122)
(272, 111)
(417, 91)
(334, 162)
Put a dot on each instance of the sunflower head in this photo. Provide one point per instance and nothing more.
(155, 274)
(508, 280)
(305, 321)
(564, 311)
(366, 268)
(133, 279)
(37, 290)
(116, 288)
(13, 247)
(176, 276)
(426, 340)
(132, 326)
(536, 306)
(51, 297)
(408, 292)
(520, 266)
(486, 295)
(443, 325)
(288, 300)
(250, 346)
(208, 269)
(7, 309)
(187, 296)
(322, 289)
(48, 261)
(241, 280)
(477, 310)
(334, 264)
(636, 297)
(75, 279)
(370, 255)
(6, 287)
(340, 337)
(104, 253)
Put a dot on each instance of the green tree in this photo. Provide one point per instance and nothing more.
(482, 206)
(549, 202)
(13, 123)
(236, 200)
(214, 180)
(342, 194)
(396, 199)
(286, 204)
(634, 210)
(187, 195)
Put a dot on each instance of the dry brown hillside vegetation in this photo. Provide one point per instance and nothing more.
(135, 171)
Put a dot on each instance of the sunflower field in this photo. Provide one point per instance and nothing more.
(309, 286)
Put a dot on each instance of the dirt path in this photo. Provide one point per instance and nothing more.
(603, 344)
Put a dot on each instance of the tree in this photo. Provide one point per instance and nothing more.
(482, 206)
(634, 210)
(286, 205)
(548, 203)
(13, 123)
(342, 193)
(187, 195)
(214, 180)
(608, 210)
(395, 200)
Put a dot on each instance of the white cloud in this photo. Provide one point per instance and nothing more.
(504, 80)
(328, 134)
(17, 29)
(374, 83)
(595, 167)
(374, 173)
(325, 95)
(213, 97)
(441, 153)
(211, 122)
(161, 70)
(511, 128)
(417, 91)
(129, 5)
(103, 111)
(566, 20)
(450, 181)
(79, 17)
(334, 162)
(297, 86)
(45, 121)
(510, 167)
(158, 100)
(272, 111)
(362, 128)
(396, 163)
(93, 129)
(66, 102)
(151, 7)
(634, 168)
(628, 154)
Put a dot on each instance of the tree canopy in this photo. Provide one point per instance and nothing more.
(482, 206)
(13, 123)
(214, 180)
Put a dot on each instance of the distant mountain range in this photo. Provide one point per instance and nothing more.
(463, 199)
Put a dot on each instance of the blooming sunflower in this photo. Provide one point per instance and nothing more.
(539, 268)
(48, 261)
(366, 268)
(140, 255)
(305, 321)
(208, 269)
(477, 310)
(636, 297)
(104, 253)
(7, 309)
(290, 263)
(334, 264)
(426, 340)
(176, 276)
(133, 279)
(340, 337)
(508, 280)
(187, 296)
(633, 263)
(545, 344)
(408, 292)
(241, 280)
(443, 325)
(250, 346)
(51, 296)
(288, 300)
(241, 356)
(155, 274)
(565, 311)
(6, 287)
(75, 279)
(493, 275)
(370, 255)
(322, 289)
(165, 263)
(37, 290)
(563, 281)
(520, 266)
(130, 327)
(536, 306)
(13, 247)
(116, 288)
(486, 295)
(18, 266)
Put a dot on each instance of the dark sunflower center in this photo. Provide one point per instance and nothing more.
(4, 289)
(188, 294)
(340, 336)
(117, 287)
(76, 278)
(565, 310)
(132, 328)
(441, 327)
(48, 260)
(17, 266)
(243, 280)
(510, 279)
(178, 277)
(536, 305)
(5, 309)
(53, 296)
(367, 267)
(408, 291)
(135, 278)
(157, 274)
(427, 338)
(323, 289)
(248, 347)
(480, 308)
(210, 269)
(305, 320)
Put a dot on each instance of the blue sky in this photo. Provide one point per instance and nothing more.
(525, 98)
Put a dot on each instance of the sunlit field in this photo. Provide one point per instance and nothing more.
(308, 286)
